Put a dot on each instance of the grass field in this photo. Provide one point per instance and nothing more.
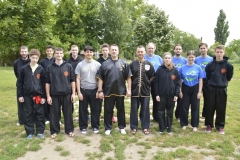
(184, 144)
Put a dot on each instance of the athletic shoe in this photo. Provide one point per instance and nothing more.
(18, 124)
(60, 122)
(95, 130)
(161, 132)
(113, 120)
(208, 129)
(47, 122)
(83, 131)
(30, 136)
(195, 129)
(169, 131)
(40, 136)
(178, 119)
(220, 131)
(108, 132)
(184, 127)
(123, 131)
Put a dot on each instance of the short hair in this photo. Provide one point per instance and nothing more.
(191, 52)
(88, 48)
(49, 47)
(23, 47)
(140, 46)
(177, 45)
(202, 44)
(104, 45)
(154, 45)
(74, 46)
(58, 49)
(220, 47)
(34, 52)
(114, 45)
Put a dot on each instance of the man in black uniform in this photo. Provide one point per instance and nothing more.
(112, 76)
(60, 91)
(143, 72)
(18, 64)
(74, 57)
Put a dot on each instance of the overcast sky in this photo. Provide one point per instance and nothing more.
(200, 17)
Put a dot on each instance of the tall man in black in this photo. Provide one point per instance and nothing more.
(112, 76)
(18, 64)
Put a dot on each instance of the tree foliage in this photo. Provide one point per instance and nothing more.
(221, 29)
(233, 46)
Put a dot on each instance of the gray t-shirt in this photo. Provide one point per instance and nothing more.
(87, 71)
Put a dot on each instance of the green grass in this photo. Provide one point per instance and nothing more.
(182, 144)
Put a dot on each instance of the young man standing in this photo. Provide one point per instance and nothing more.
(31, 93)
(218, 72)
(143, 73)
(74, 57)
(113, 74)
(156, 61)
(18, 64)
(60, 91)
(87, 91)
(45, 62)
(202, 61)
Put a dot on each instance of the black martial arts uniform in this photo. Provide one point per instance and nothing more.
(142, 73)
(31, 87)
(45, 62)
(167, 85)
(114, 73)
(218, 73)
(17, 65)
(74, 62)
(60, 78)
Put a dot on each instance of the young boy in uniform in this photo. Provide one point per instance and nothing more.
(31, 93)
(60, 91)
(218, 72)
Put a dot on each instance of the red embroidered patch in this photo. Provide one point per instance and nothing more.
(173, 77)
(65, 73)
(223, 70)
(37, 76)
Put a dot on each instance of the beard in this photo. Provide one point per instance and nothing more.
(178, 54)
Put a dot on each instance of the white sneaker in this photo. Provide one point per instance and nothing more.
(108, 132)
(184, 127)
(195, 129)
(83, 131)
(60, 122)
(123, 131)
(47, 122)
(18, 124)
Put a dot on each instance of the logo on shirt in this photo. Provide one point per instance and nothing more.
(37, 76)
(173, 77)
(191, 76)
(147, 67)
(121, 67)
(65, 73)
(223, 70)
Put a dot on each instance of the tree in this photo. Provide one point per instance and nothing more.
(233, 46)
(153, 26)
(221, 30)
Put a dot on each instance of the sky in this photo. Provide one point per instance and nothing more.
(200, 17)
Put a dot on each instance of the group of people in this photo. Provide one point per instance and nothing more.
(42, 89)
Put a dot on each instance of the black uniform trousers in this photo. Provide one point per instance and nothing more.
(165, 120)
(109, 103)
(190, 97)
(33, 112)
(19, 108)
(205, 95)
(89, 97)
(216, 101)
(145, 113)
(179, 105)
(66, 103)
(47, 111)
(154, 109)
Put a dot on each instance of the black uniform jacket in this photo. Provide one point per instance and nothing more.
(101, 59)
(142, 73)
(167, 82)
(74, 62)
(114, 73)
(31, 84)
(45, 62)
(219, 73)
(60, 77)
(18, 64)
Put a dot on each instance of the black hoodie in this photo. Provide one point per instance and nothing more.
(60, 77)
(45, 62)
(74, 62)
(219, 73)
(167, 82)
(101, 59)
(31, 84)
(18, 64)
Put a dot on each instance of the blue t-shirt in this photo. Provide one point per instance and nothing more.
(202, 62)
(156, 61)
(191, 74)
(179, 62)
